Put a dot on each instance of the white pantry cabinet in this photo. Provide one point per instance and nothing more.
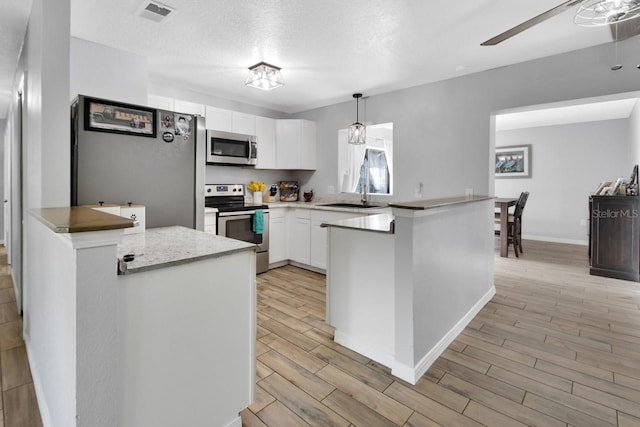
(278, 235)
(266, 134)
(300, 236)
(296, 144)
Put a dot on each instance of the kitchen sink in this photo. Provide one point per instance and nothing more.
(350, 205)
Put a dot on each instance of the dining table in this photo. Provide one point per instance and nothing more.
(504, 203)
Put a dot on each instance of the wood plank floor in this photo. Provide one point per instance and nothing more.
(18, 406)
(554, 347)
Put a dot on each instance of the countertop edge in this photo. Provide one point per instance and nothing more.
(437, 203)
(78, 219)
(174, 263)
(372, 223)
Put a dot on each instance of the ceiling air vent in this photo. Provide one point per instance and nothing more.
(155, 11)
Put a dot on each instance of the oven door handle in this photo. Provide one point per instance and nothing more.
(239, 213)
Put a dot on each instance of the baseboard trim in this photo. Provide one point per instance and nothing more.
(235, 423)
(412, 375)
(354, 344)
(555, 240)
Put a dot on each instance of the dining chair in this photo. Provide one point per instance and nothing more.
(514, 223)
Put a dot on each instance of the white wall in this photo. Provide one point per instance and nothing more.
(47, 134)
(50, 323)
(103, 72)
(567, 162)
(3, 125)
(442, 130)
(634, 139)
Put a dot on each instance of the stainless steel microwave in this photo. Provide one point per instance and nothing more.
(229, 148)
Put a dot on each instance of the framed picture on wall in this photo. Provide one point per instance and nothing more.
(513, 161)
(115, 117)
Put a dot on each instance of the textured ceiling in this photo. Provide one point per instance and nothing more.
(328, 49)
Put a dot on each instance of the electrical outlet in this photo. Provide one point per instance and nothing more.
(331, 190)
(468, 192)
(418, 192)
(583, 222)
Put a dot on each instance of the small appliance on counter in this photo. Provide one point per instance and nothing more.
(239, 220)
(289, 191)
(308, 195)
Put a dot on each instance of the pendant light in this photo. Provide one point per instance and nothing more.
(357, 131)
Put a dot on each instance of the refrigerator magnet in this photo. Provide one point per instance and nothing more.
(167, 137)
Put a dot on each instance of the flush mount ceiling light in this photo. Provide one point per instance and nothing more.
(357, 131)
(264, 76)
(594, 13)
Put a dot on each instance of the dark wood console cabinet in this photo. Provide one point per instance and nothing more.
(614, 237)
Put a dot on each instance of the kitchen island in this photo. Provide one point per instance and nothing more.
(165, 339)
(401, 287)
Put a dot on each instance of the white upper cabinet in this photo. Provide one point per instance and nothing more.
(160, 102)
(266, 135)
(188, 107)
(296, 144)
(243, 123)
(230, 121)
(218, 119)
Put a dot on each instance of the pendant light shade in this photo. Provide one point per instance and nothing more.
(264, 76)
(357, 131)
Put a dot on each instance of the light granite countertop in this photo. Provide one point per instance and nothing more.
(381, 223)
(168, 246)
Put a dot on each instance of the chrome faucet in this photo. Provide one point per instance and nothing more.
(364, 171)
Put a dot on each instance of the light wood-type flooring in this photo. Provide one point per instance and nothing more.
(554, 347)
(18, 406)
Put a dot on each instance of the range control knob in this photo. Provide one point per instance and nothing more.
(208, 190)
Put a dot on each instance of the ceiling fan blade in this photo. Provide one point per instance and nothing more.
(531, 22)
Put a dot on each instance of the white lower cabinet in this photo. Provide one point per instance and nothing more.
(278, 235)
(300, 236)
(295, 234)
(210, 220)
(319, 235)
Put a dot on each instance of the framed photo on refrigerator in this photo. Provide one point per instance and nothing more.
(116, 117)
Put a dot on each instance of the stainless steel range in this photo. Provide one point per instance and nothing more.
(235, 218)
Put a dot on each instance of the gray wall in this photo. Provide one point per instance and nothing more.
(568, 162)
(442, 131)
(634, 139)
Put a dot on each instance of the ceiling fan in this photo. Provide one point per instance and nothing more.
(618, 14)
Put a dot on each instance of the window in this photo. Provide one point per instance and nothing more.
(375, 157)
(375, 164)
